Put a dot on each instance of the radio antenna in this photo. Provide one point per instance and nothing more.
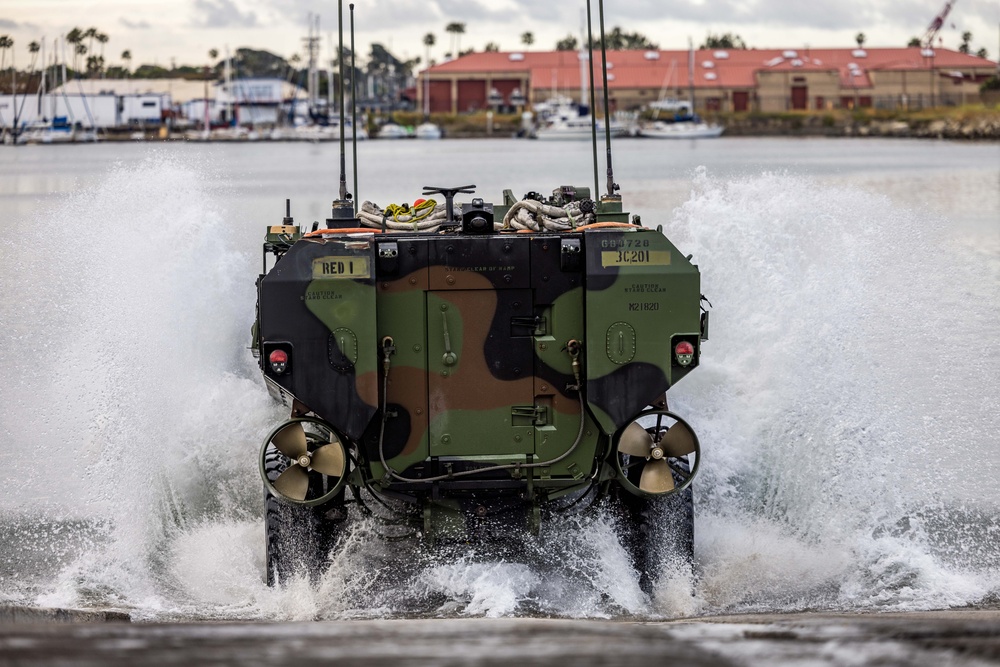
(354, 114)
(340, 62)
(593, 95)
(612, 186)
(343, 214)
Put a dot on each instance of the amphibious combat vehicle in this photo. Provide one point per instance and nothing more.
(469, 370)
(500, 360)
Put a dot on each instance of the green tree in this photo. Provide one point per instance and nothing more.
(619, 40)
(982, 53)
(914, 41)
(567, 43)
(726, 41)
(491, 47)
(527, 39)
(127, 58)
(258, 63)
(151, 72)
(860, 39)
(966, 38)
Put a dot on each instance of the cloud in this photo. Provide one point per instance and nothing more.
(135, 25)
(222, 14)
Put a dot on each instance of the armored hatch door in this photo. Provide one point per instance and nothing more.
(479, 349)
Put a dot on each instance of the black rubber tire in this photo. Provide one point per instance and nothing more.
(298, 539)
(658, 530)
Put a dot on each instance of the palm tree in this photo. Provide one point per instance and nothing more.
(429, 40)
(860, 39)
(102, 39)
(127, 57)
(75, 37)
(5, 43)
(33, 49)
(457, 30)
(966, 38)
(79, 51)
(90, 34)
(527, 39)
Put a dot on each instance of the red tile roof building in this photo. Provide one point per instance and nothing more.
(724, 79)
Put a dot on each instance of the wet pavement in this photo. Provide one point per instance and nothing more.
(962, 637)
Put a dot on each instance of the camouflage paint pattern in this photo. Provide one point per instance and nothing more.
(480, 372)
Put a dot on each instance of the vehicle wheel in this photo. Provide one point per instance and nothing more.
(298, 538)
(659, 530)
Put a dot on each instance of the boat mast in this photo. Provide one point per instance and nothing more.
(691, 75)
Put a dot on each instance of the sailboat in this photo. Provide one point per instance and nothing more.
(686, 124)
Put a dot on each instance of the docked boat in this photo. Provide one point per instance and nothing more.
(428, 131)
(564, 119)
(687, 129)
(57, 131)
(576, 128)
(313, 132)
(393, 131)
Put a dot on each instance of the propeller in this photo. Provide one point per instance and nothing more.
(293, 442)
(636, 441)
(644, 448)
(656, 477)
(678, 441)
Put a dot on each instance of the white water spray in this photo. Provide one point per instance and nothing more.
(847, 405)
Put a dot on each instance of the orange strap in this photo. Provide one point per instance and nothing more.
(349, 230)
(603, 225)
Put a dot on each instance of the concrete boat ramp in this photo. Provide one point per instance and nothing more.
(62, 637)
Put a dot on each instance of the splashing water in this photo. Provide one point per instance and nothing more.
(847, 404)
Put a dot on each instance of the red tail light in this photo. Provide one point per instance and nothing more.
(684, 351)
(278, 360)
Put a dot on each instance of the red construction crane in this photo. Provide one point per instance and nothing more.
(932, 30)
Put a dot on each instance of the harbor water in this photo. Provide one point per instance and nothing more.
(848, 400)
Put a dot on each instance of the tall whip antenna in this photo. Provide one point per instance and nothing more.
(354, 113)
(340, 61)
(612, 186)
(593, 95)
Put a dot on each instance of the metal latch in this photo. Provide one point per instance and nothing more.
(388, 257)
(536, 415)
(533, 323)
(570, 255)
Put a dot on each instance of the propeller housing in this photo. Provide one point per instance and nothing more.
(316, 459)
(656, 453)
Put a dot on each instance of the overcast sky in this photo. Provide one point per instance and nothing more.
(157, 31)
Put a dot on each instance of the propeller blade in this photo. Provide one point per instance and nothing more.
(635, 441)
(293, 483)
(291, 441)
(678, 441)
(329, 459)
(656, 477)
